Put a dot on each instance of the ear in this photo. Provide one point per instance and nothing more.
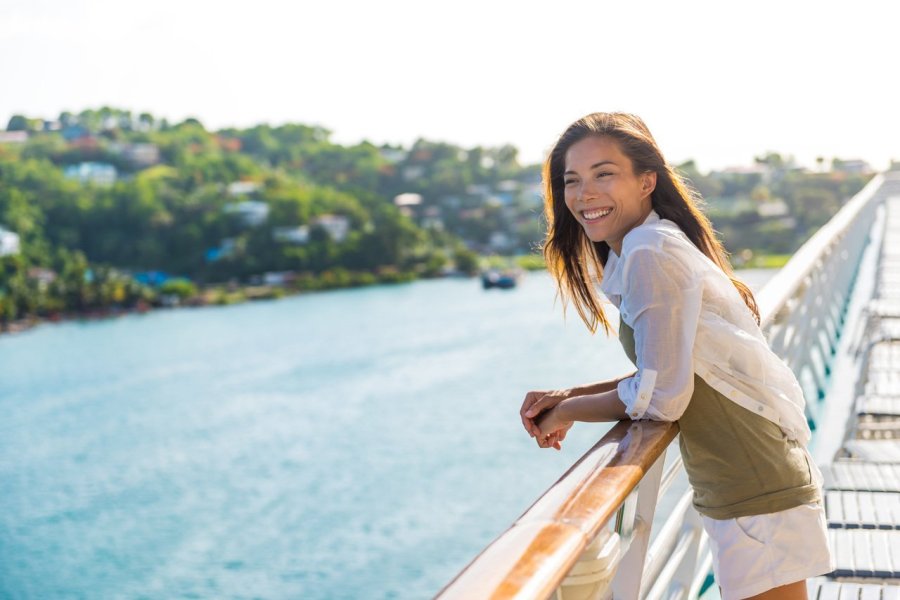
(648, 182)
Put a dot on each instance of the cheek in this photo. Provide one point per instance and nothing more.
(570, 202)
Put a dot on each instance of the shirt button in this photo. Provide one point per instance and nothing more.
(759, 408)
(634, 414)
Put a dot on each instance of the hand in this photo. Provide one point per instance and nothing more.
(553, 429)
(535, 403)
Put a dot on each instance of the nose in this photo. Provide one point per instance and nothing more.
(587, 191)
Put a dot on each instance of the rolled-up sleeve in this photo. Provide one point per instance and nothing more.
(661, 301)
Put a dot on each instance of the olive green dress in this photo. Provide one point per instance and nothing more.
(737, 462)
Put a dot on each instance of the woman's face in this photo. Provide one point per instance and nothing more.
(602, 191)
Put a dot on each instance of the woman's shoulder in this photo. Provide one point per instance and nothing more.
(662, 247)
(661, 235)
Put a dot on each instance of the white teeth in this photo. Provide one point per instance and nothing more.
(596, 214)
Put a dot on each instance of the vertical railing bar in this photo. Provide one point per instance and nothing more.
(626, 583)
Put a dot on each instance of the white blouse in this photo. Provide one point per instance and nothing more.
(689, 318)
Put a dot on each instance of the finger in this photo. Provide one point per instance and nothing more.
(545, 402)
(536, 428)
(530, 398)
(553, 440)
(562, 434)
(531, 426)
(527, 422)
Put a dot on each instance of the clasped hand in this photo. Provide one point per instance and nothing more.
(540, 417)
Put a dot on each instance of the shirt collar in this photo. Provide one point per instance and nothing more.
(653, 217)
(612, 275)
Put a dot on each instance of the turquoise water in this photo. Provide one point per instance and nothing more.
(351, 444)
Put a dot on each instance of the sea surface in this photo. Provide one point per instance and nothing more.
(351, 444)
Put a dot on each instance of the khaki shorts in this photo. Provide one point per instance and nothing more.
(754, 554)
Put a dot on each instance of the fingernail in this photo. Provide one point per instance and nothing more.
(529, 413)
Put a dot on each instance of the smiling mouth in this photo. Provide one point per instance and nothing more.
(595, 214)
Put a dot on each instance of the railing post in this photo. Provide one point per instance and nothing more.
(627, 582)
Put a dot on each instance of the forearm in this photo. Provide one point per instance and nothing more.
(603, 406)
(596, 388)
(592, 402)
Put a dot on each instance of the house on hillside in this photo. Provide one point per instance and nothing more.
(412, 172)
(92, 172)
(279, 277)
(250, 212)
(392, 155)
(141, 155)
(13, 137)
(291, 235)
(44, 277)
(243, 188)
(853, 167)
(772, 208)
(9, 242)
(407, 203)
(337, 226)
(432, 218)
(74, 132)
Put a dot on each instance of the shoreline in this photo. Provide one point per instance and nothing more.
(217, 296)
(207, 298)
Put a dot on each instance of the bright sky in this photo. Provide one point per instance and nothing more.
(719, 82)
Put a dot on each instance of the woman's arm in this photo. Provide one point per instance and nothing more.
(597, 388)
(604, 406)
(538, 401)
(662, 299)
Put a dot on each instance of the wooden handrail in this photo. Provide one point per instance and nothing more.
(532, 557)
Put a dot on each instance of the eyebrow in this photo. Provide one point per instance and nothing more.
(594, 166)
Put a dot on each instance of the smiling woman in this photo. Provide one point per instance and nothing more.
(619, 216)
(571, 254)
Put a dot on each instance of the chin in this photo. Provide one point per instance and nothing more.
(594, 237)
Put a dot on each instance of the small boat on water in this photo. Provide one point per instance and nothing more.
(505, 280)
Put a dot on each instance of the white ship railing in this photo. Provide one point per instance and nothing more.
(588, 536)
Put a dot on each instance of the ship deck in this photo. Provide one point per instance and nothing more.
(859, 443)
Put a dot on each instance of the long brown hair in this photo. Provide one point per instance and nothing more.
(572, 257)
